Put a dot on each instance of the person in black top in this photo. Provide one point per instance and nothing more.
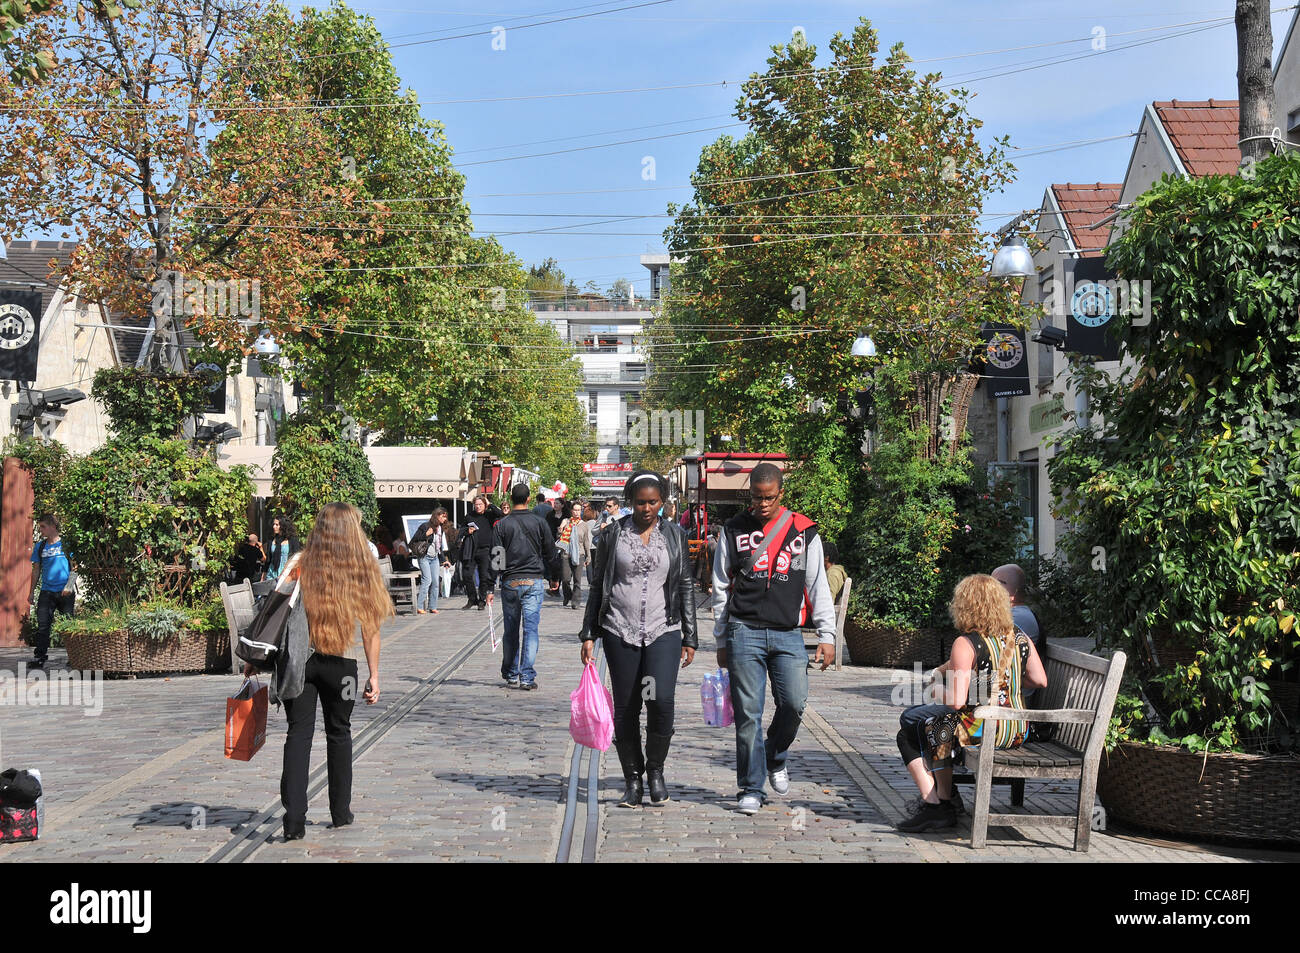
(249, 559)
(476, 553)
(526, 548)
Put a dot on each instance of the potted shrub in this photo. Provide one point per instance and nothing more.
(1185, 515)
(152, 522)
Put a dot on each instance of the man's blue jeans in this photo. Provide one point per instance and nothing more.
(427, 596)
(752, 656)
(521, 600)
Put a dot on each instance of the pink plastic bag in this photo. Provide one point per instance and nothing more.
(591, 711)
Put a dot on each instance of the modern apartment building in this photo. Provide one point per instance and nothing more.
(609, 335)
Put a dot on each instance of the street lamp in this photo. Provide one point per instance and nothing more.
(266, 344)
(864, 347)
(1013, 259)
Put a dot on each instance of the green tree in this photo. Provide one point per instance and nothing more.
(316, 463)
(851, 206)
(423, 336)
(1183, 493)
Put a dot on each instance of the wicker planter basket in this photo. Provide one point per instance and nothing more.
(1225, 797)
(120, 653)
(890, 646)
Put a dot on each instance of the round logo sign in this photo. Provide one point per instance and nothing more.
(1005, 351)
(1092, 304)
(17, 326)
(212, 373)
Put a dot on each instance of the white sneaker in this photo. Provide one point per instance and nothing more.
(780, 780)
(749, 804)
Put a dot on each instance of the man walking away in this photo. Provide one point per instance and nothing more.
(527, 546)
(768, 580)
(52, 565)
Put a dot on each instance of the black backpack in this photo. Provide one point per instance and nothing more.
(262, 642)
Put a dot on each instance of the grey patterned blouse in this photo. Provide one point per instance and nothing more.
(638, 613)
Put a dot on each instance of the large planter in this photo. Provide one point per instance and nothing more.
(886, 646)
(1223, 797)
(120, 653)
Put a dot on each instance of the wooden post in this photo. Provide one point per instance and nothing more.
(18, 499)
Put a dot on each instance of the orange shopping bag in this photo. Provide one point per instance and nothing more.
(246, 721)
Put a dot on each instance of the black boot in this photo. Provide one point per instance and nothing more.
(629, 756)
(656, 750)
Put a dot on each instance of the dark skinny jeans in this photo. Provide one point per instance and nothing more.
(333, 679)
(643, 674)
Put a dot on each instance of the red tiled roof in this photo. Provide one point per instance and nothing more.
(1083, 205)
(1204, 133)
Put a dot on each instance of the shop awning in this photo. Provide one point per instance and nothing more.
(400, 472)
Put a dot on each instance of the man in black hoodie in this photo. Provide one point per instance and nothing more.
(525, 550)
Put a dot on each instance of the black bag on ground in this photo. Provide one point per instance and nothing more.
(19, 788)
(261, 643)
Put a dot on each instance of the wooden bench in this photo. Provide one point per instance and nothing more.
(1078, 699)
(402, 586)
(841, 612)
(238, 603)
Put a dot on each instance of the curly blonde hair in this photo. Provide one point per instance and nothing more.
(980, 604)
(340, 579)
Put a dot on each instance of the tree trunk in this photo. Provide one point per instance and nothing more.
(1254, 78)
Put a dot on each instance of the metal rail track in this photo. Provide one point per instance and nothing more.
(590, 831)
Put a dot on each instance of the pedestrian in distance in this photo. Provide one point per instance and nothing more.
(591, 516)
(477, 565)
(52, 568)
(284, 544)
(991, 662)
(575, 551)
(642, 608)
(432, 544)
(340, 585)
(526, 549)
(769, 579)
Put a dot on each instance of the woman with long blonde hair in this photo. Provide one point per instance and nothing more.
(339, 586)
(992, 661)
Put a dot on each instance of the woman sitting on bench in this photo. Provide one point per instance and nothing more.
(1004, 662)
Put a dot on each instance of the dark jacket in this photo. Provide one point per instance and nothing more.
(679, 588)
(529, 546)
(485, 536)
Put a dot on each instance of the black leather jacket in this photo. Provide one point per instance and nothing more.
(679, 589)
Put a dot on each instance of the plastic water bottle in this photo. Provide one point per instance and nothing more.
(707, 697)
(722, 697)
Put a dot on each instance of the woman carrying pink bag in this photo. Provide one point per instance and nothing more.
(642, 606)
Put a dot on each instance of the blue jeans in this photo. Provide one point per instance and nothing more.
(521, 601)
(752, 656)
(427, 596)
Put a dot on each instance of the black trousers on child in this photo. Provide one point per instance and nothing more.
(333, 679)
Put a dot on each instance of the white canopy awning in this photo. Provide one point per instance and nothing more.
(400, 472)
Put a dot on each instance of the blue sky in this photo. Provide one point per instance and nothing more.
(707, 41)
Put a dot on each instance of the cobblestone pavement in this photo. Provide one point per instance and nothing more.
(478, 772)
